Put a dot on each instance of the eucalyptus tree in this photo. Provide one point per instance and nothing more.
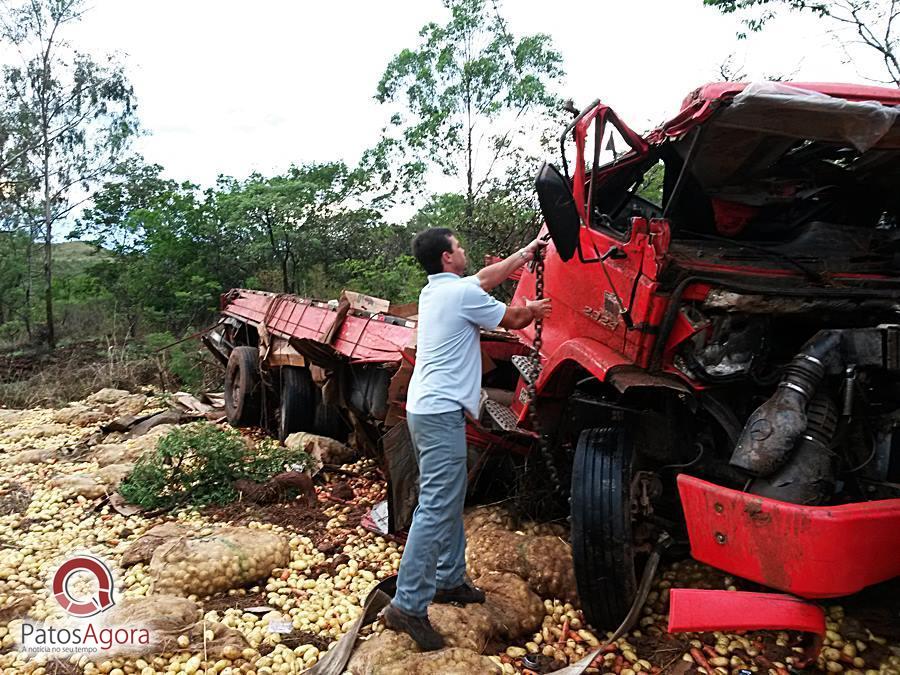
(472, 99)
(74, 116)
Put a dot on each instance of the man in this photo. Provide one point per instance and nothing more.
(446, 384)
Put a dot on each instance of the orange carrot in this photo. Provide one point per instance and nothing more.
(700, 660)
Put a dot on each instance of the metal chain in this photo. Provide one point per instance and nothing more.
(536, 366)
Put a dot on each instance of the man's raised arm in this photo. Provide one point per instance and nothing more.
(493, 275)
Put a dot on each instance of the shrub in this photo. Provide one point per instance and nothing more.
(198, 464)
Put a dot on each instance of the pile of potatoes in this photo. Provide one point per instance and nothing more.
(318, 587)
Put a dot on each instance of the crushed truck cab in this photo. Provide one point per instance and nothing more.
(727, 356)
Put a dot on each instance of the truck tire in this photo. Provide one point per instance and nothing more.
(297, 404)
(602, 548)
(329, 422)
(243, 387)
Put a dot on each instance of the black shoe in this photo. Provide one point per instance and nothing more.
(417, 627)
(464, 594)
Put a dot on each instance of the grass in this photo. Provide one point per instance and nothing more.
(32, 378)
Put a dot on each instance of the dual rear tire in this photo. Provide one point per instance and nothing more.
(300, 407)
(297, 403)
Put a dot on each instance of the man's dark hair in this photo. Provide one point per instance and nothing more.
(428, 247)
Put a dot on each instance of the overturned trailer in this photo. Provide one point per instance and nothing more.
(721, 367)
(296, 364)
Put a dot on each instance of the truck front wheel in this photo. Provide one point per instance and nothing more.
(602, 545)
(242, 387)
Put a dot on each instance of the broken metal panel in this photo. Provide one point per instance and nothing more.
(753, 303)
(624, 378)
(403, 476)
(781, 109)
(700, 610)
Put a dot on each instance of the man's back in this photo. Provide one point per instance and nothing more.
(447, 374)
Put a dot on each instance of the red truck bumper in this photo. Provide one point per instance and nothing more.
(810, 551)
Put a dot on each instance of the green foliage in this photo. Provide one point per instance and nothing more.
(499, 225)
(182, 360)
(869, 24)
(173, 252)
(198, 464)
(15, 278)
(298, 219)
(271, 458)
(398, 280)
(12, 331)
(69, 117)
(154, 254)
(651, 188)
(471, 99)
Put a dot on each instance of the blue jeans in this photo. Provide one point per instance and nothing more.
(435, 553)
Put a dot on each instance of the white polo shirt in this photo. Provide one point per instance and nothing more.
(447, 374)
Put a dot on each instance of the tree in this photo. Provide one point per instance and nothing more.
(172, 250)
(871, 23)
(74, 117)
(503, 220)
(299, 219)
(471, 96)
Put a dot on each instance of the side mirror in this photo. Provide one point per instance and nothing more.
(558, 209)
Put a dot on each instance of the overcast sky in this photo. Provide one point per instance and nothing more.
(227, 86)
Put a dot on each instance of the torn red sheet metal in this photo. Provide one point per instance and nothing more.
(693, 610)
(810, 551)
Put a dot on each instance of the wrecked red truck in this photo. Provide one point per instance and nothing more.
(722, 368)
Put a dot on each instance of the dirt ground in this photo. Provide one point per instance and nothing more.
(333, 564)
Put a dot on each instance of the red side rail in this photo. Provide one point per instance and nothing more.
(364, 337)
(810, 551)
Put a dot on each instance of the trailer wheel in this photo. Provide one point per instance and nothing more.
(329, 422)
(242, 387)
(602, 548)
(297, 403)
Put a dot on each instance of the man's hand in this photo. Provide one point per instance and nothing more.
(494, 275)
(536, 245)
(541, 309)
(519, 317)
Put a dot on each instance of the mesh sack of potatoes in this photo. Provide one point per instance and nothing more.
(131, 449)
(321, 448)
(390, 653)
(173, 624)
(544, 562)
(78, 415)
(15, 607)
(93, 485)
(231, 557)
(454, 661)
(381, 653)
(469, 627)
(142, 548)
(510, 611)
(515, 610)
(33, 456)
(489, 517)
